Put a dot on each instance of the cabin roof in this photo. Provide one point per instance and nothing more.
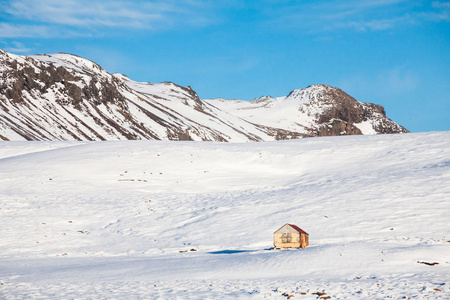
(296, 228)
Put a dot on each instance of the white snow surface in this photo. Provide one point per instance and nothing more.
(107, 220)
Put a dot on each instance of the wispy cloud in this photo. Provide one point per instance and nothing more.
(11, 31)
(370, 25)
(441, 4)
(88, 13)
(54, 17)
(441, 12)
(41, 31)
(370, 15)
(16, 47)
(68, 18)
(396, 81)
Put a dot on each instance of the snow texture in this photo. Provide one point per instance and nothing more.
(195, 220)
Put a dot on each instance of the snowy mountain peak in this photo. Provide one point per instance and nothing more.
(262, 99)
(71, 62)
(317, 110)
(66, 97)
(315, 92)
(311, 89)
(121, 77)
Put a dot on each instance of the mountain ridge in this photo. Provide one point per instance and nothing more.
(67, 97)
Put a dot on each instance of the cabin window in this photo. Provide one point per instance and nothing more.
(286, 238)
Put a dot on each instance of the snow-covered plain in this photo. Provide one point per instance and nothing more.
(116, 220)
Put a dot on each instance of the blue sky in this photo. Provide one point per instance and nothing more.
(390, 52)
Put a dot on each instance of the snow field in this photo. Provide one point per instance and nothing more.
(114, 219)
(364, 288)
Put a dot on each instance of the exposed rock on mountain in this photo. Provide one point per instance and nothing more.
(66, 97)
(318, 110)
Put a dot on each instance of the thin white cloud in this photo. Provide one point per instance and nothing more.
(441, 4)
(373, 25)
(68, 18)
(351, 7)
(96, 15)
(436, 17)
(12, 31)
(41, 31)
(398, 80)
(85, 13)
(17, 47)
(371, 15)
(441, 12)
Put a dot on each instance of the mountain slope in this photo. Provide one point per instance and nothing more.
(318, 110)
(66, 97)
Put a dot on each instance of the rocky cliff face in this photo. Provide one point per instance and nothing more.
(66, 97)
(344, 112)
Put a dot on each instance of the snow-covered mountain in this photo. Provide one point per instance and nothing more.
(318, 110)
(66, 97)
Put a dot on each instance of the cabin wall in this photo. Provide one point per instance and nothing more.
(279, 240)
(304, 241)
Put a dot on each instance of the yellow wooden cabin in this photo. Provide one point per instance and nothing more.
(290, 236)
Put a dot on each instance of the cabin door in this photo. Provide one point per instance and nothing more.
(302, 240)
